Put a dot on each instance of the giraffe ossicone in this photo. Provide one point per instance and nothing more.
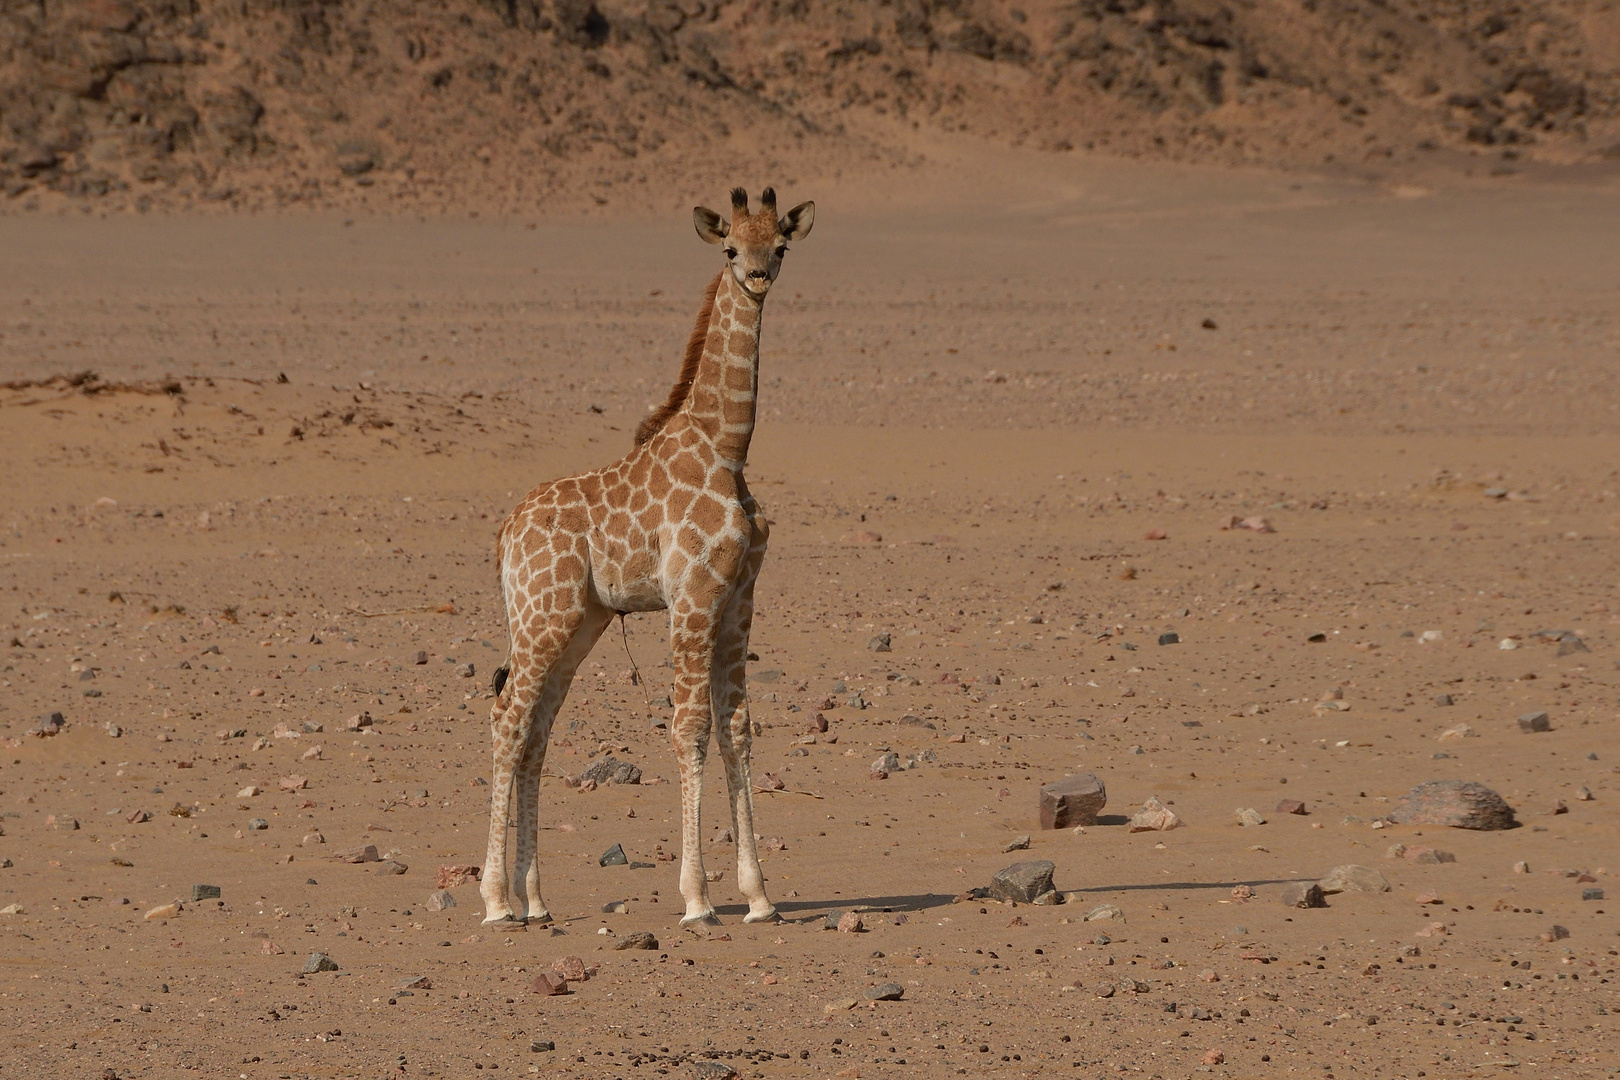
(671, 525)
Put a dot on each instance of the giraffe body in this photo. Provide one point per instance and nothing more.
(671, 525)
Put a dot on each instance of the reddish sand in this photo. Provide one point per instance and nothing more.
(979, 398)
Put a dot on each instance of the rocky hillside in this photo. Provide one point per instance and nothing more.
(519, 105)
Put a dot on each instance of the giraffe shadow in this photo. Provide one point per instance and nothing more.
(886, 904)
(928, 901)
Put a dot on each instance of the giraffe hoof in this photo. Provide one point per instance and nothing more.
(542, 919)
(708, 918)
(506, 924)
(771, 916)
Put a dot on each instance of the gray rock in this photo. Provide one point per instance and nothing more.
(416, 982)
(1248, 815)
(879, 642)
(1073, 800)
(204, 892)
(884, 992)
(1104, 912)
(541, 1046)
(1170, 639)
(1302, 894)
(610, 770)
(257, 824)
(1591, 894)
(1571, 643)
(832, 919)
(1444, 699)
(392, 866)
(614, 856)
(1017, 843)
(319, 961)
(440, 899)
(887, 763)
(1351, 878)
(1459, 804)
(1023, 883)
(1534, 722)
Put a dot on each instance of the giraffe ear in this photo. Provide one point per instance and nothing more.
(796, 225)
(710, 226)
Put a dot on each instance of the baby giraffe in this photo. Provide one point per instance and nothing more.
(671, 525)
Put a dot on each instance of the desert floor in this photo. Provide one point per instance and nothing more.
(977, 401)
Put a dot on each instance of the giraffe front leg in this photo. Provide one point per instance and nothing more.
(735, 734)
(692, 641)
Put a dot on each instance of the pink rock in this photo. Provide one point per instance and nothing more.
(850, 923)
(1290, 806)
(293, 783)
(549, 984)
(571, 968)
(1155, 817)
(448, 877)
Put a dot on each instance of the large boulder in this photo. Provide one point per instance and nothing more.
(1460, 804)
(1073, 800)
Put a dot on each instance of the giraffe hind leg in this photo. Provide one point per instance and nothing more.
(526, 868)
(512, 725)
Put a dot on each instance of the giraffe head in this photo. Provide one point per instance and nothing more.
(754, 243)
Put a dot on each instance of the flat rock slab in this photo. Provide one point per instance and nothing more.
(364, 854)
(1023, 882)
(884, 992)
(1351, 878)
(1290, 806)
(614, 856)
(1459, 804)
(610, 770)
(204, 892)
(712, 1070)
(1073, 800)
(1302, 894)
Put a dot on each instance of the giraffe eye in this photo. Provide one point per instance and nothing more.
(731, 253)
(781, 251)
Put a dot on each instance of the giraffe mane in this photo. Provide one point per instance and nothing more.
(654, 421)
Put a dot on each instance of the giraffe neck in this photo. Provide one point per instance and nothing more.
(721, 403)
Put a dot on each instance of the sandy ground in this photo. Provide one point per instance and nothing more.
(974, 411)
